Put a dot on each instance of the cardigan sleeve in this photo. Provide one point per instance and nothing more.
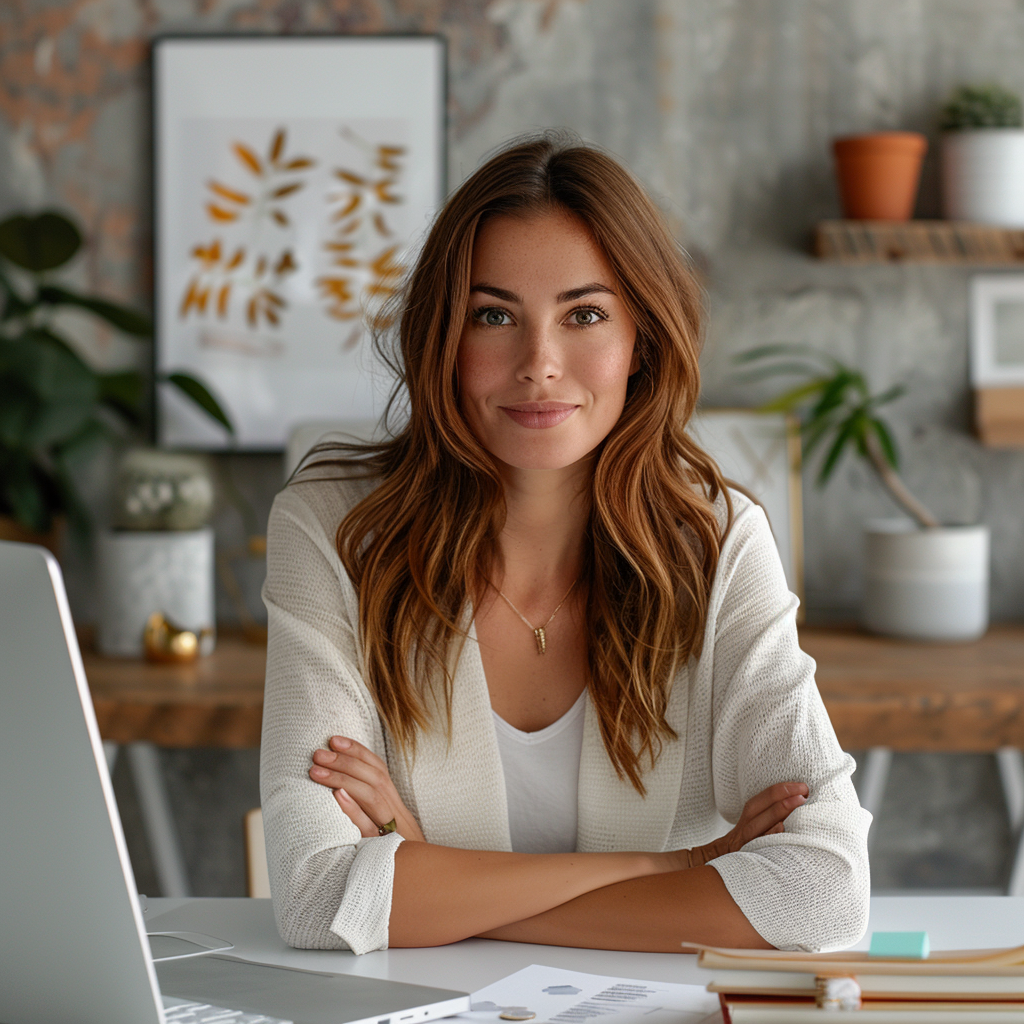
(331, 888)
(806, 888)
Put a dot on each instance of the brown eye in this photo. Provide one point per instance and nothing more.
(585, 317)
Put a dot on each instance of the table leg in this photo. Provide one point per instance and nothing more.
(161, 832)
(1011, 771)
(874, 774)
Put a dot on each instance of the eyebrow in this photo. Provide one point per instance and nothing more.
(568, 296)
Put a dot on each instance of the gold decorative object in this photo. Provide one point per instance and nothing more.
(164, 641)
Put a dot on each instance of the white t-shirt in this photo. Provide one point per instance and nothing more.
(542, 778)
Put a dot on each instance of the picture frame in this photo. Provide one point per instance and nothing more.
(294, 179)
(761, 452)
(997, 331)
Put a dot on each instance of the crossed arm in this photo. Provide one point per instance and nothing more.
(635, 901)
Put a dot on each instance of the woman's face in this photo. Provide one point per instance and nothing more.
(548, 344)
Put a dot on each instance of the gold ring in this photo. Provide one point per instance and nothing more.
(391, 826)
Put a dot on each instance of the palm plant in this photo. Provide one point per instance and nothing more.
(838, 411)
(54, 407)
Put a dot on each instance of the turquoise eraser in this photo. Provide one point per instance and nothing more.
(907, 945)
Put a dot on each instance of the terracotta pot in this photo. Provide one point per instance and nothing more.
(11, 529)
(878, 174)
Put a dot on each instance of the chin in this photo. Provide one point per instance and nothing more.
(540, 457)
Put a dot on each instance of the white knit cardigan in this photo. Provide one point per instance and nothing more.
(747, 714)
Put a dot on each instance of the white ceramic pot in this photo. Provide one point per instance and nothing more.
(983, 176)
(168, 571)
(926, 584)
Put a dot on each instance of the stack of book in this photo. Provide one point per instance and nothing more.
(951, 987)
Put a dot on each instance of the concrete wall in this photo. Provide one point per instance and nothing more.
(725, 109)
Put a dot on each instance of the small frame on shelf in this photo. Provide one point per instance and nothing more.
(917, 241)
(997, 357)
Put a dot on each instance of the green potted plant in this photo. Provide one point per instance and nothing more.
(983, 156)
(921, 579)
(54, 407)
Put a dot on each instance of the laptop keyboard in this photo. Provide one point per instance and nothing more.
(181, 1011)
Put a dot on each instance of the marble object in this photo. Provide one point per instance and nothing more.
(142, 572)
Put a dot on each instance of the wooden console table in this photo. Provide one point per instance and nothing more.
(216, 701)
(882, 695)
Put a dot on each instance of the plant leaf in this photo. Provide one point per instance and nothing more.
(199, 394)
(847, 432)
(57, 422)
(124, 391)
(131, 321)
(885, 439)
(39, 243)
(789, 400)
(25, 494)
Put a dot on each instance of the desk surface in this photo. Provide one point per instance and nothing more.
(952, 922)
(879, 692)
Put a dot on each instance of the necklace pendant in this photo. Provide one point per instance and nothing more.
(538, 635)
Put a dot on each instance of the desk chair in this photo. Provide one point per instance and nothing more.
(257, 878)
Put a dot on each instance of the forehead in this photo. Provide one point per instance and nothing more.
(551, 251)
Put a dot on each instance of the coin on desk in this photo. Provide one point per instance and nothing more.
(516, 1013)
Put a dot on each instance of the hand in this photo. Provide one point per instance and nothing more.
(763, 815)
(363, 788)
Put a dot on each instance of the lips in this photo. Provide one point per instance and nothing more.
(539, 415)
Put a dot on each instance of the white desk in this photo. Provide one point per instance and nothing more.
(952, 922)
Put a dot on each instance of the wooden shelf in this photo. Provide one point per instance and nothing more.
(918, 241)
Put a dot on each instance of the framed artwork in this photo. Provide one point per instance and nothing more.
(997, 330)
(761, 453)
(294, 179)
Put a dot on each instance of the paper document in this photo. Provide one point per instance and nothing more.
(557, 996)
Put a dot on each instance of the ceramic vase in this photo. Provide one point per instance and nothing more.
(983, 176)
(926, 584)
(878, 174)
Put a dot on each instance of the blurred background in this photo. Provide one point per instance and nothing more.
(726, 110)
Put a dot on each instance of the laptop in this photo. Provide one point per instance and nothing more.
(73, 944)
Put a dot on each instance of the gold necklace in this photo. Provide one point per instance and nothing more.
(538, 631)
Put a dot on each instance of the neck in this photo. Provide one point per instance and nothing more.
(541, 544)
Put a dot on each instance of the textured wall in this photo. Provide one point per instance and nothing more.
(724, 108)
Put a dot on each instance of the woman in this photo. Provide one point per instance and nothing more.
(527, 655)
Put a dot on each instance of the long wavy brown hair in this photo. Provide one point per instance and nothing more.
(421, 545)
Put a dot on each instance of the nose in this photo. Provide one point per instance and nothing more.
(540, 358)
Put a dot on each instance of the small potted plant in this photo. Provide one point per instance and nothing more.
(983, 156)
(921, 579)
(878, 174)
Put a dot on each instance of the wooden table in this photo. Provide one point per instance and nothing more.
(882, 695)
(908, 696)
(216, 701)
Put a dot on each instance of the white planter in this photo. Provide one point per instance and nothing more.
(926, 584)
(983, 176)
(161, 571)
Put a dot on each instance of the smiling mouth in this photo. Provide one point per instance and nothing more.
(539, 415)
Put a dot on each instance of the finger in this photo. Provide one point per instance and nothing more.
(356, 814)
(346, 745)
(774, 815)
(374, 772)
(373, 804)
(772, 795)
